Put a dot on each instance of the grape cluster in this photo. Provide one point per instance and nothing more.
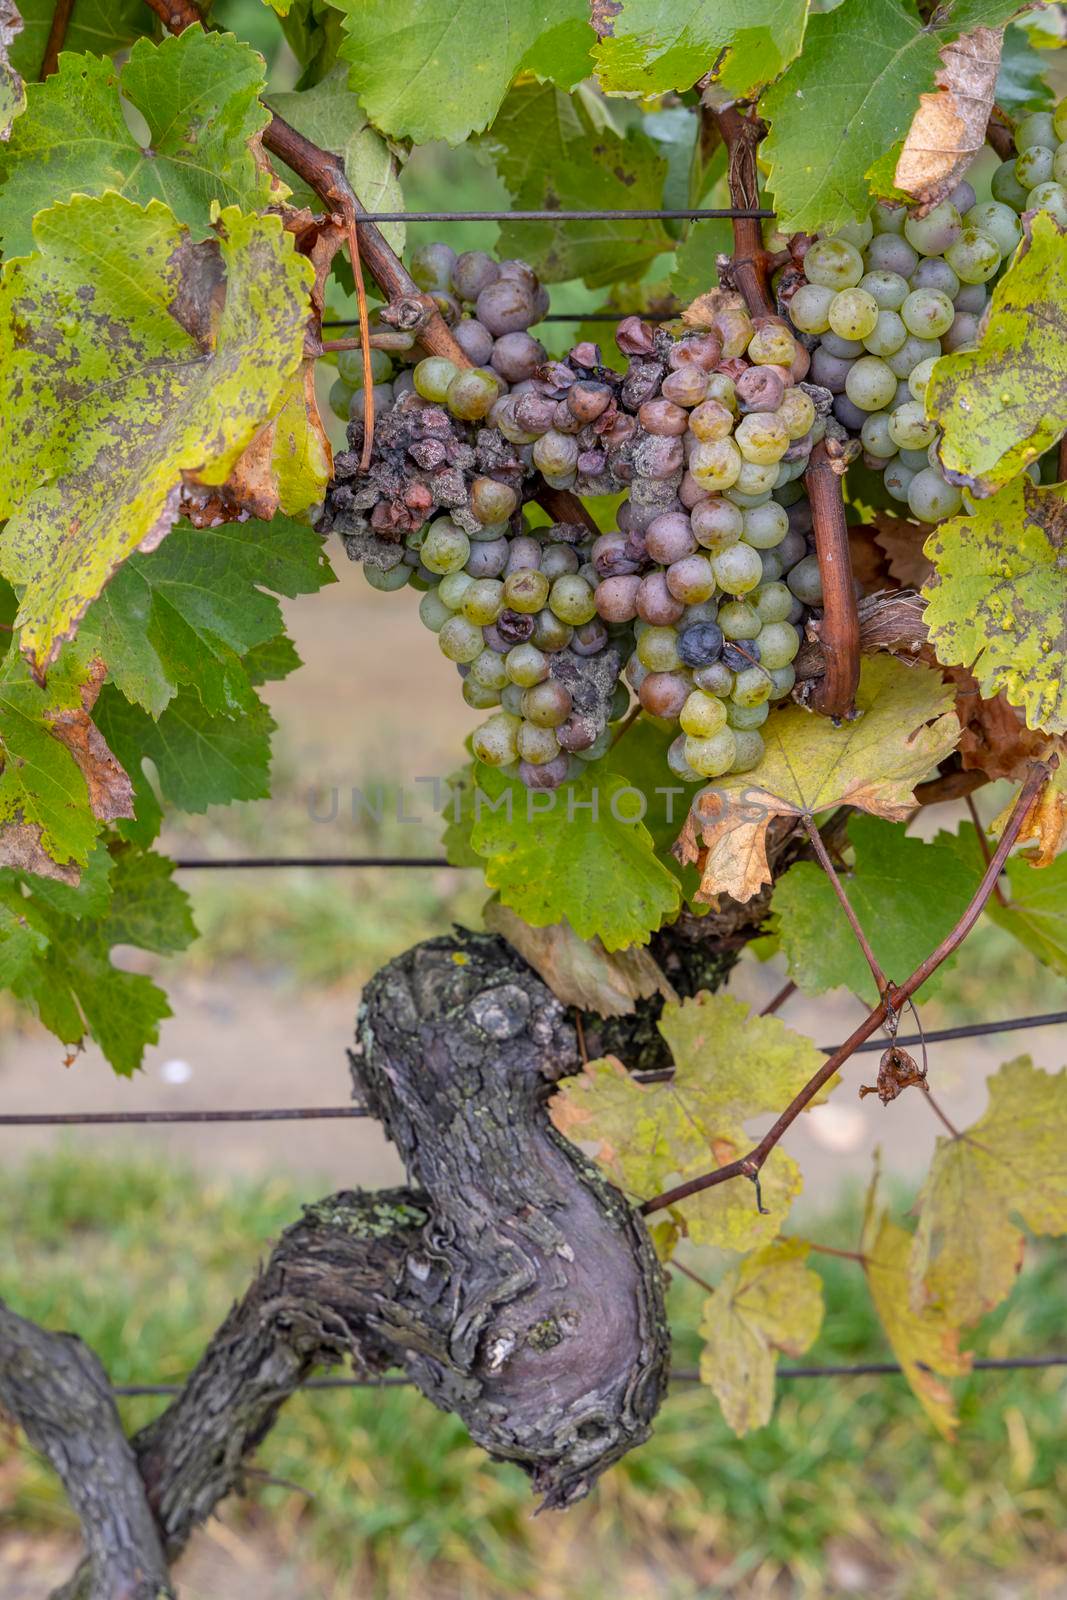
(1036, 180)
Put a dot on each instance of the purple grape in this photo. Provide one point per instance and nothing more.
(474, 340)
(701, 644)
(739, 656)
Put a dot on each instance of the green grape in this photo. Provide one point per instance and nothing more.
(742, 719)
(657, 650)
(526, 590)
(761, 439)
(452, 587)
(396, 578)
(854, 233)
(460, 640)
(870, 383)
(974, 257)
(572, 599)
(756, 479)
(933, 234)
(782, 681)
(853, 313)
(702, 715)
(599, 747)
(805, 582)
(495, 741)
(737, 570)
(833, 264)
(340, 398)
(927, 313)
(526, 665)
(479, 696)
(715, 464)
(772, 345)
(1006, 187)
(433, 613)
(433, 376)
(445, 548)
(492, 502)
(350, 367)
(1059, 167)
(809, 308)
(911, 352)
(773, 602)
(483, 601)
(1034, 166)
(909, 428)
(717, 524)
(713, 756)
(1050, 197)
(887, 335)
(897, 479)
(677, 763)
(888, 217)
(1059, 120)
(716, 678)
(546, 704)
(471, 393)
(796, 412)
(915, 459)
(766, 526)
(536, 745)
(753, 686)
(511, 698)
(555, 454)
(620, 702)
(778, 645)
(889, 289)
(998, 222)
(934, 273)
(1038, 128)
(489, 670)
(431, 265)
(920, 376)
(550, 634)
(748, 750)
(931, 498)
(739, 619)
(721, 388)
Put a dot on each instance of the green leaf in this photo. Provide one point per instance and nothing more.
(849, 97)
(998, 604)
(189, 612)
(905, 726)
(578, 852)
(924, 1341)
(1011, 1162)
(70, 982)
(730, 1066)
(126, 377)
(1004, 404)
(441, 70)
(1021, 80)
(46, 820)
(331, 116)
(559, 151)
(1036, 912)
(199, 96)
(771, 1301)
(907, 895)
(201, 760)
(648, 47)
(103, 26)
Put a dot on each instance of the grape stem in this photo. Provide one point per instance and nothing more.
(999, 135)
(750, 1166)
(839, 630)
(822, 855)
(741, 135)
(57, 37)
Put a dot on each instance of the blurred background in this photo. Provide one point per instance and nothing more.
(139, 1239)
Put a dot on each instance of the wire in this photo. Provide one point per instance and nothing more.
(862, 1369)
(61, 1119)
(228, 863)
(561, 316)
(688, 214)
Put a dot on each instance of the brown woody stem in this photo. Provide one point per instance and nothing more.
(999, 135)
(749, 1166)
(741, 134)
(823, 857)
(839, 630)
(57, 37)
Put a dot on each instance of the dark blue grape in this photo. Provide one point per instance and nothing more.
(701, 644)
(739, 656)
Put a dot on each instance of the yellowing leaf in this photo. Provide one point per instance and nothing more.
(921, 1339)
(124, 370)
(1004, 404)
(999, 602)
(580, 972)
(948, 130)
(905, 728)
(1044, 827)
(1011, 1162)
(12, 88)
(771, 1301)
(730, 1066)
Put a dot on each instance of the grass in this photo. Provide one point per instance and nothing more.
(848, 1490)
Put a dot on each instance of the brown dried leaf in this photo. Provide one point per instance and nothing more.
(948, 129)
(903, 543)
(897, 1071)
(1046, 821)
(110, 790)
(21, 848)
(995, 739)
(580, 972)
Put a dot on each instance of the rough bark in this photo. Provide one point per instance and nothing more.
(514, 1285)
(56, 1389)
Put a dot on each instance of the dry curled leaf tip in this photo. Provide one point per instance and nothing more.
(897, 1071)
